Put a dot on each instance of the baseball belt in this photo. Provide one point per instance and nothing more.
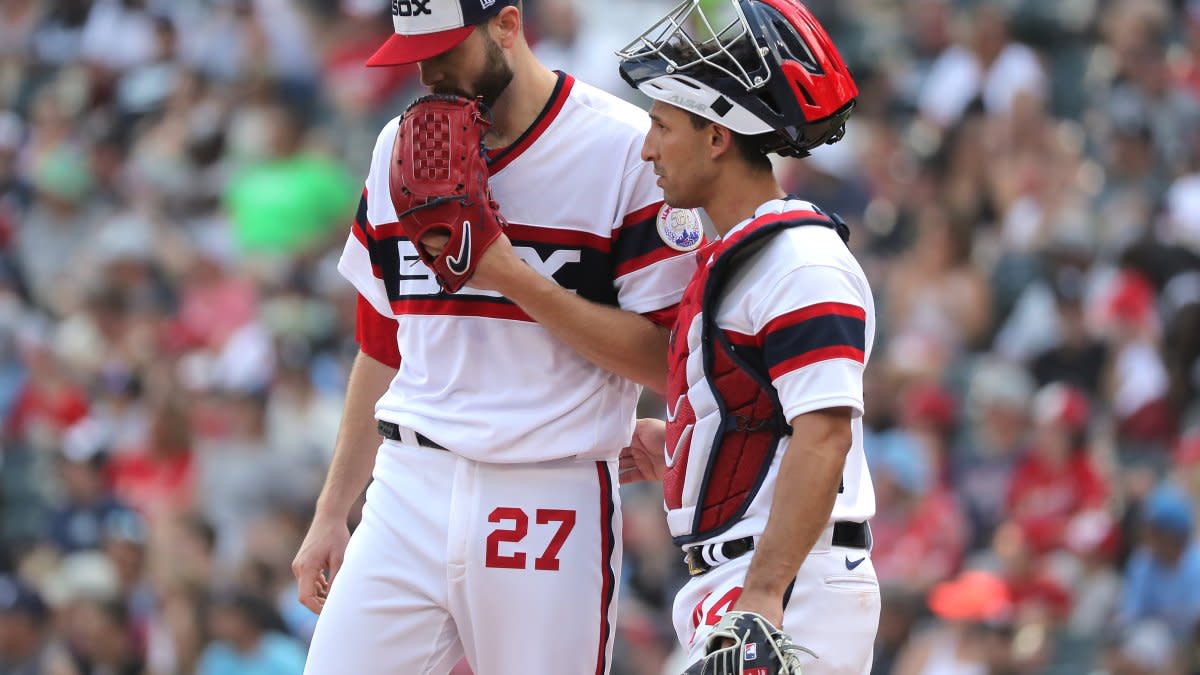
(395, 432)
(703, 557)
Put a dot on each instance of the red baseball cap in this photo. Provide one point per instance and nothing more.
(1062, 404)
(973, 596)
(427, 28)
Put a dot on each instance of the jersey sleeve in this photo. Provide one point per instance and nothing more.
(361, 256)
(812, 326)
(376, 334)
(649, 274)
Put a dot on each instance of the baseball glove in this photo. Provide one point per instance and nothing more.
(757, 648)
(439, 184)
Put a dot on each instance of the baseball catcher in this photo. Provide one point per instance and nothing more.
(765, 478)
(439, 184)
(745, 643)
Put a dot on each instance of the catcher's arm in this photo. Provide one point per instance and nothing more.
(806, 488)
(622, 342)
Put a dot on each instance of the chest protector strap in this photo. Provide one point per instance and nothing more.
(752, 421)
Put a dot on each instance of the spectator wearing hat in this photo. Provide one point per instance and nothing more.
(1162, 578)
(77, 524)
(972, 635)
(1056, 479)
(1139, 378)
(26, 645)
(929, 412)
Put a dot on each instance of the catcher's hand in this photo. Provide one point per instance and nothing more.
(745, 643)
(439, 184)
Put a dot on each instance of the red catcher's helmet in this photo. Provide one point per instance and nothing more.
(772, 70)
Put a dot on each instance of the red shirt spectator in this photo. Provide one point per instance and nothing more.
(159, 480)
(921, 546)
(919, 530)
(1045, 495)
(155, 482)
(1056, 480)
(48, 404)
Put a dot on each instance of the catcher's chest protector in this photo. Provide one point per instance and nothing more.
(734, 374)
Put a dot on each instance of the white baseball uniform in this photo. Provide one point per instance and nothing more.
(505, 547)
(801, 307)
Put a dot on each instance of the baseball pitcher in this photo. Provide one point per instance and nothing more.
(517, 272)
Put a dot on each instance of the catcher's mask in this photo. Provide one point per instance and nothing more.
(771, 71)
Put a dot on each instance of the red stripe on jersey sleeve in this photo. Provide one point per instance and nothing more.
(660, 254)
(376, 334)
(816, 356)
(362, 231)
(637, 243)
(643, 214)
(812, 311)
(390, 231)
(557, 237)
(455, 307)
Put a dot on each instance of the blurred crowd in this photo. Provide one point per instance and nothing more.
(177, 177)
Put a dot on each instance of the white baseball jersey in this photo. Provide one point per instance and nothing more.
(461, 553)
(802, 307)
(479, 376)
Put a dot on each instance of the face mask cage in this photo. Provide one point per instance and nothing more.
(693, 39)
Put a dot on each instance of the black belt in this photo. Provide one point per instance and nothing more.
(704, 557)
(391, 431)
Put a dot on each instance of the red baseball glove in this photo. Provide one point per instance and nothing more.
(439, 184)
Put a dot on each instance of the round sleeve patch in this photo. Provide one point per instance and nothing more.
(681, 229)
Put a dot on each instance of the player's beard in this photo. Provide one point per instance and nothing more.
(491, 83)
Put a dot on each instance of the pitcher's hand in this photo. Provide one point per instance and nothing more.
(645, 458)
(319, 559)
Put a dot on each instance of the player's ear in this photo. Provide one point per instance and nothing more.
(720, 141)
(506, 27)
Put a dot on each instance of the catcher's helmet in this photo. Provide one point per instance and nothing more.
(771, 71)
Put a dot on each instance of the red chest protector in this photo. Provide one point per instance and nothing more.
(751, 418)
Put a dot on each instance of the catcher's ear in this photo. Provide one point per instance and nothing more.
(720, 140)
(507, 27)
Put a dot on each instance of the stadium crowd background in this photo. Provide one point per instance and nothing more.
(177, 177)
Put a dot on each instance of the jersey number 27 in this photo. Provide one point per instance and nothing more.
(548, 560)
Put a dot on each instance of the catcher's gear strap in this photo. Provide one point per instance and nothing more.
(439, 184)
(752, 419)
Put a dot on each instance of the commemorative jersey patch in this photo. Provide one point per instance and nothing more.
(680, 229)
